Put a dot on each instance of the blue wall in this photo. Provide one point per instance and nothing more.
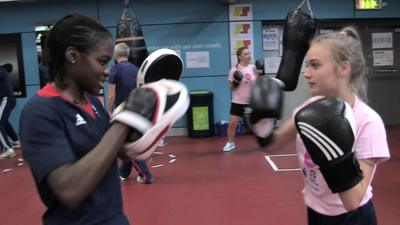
(201, 25)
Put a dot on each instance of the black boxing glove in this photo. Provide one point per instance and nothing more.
(142, 102)
(327, 128)
(260, 66)
(265, 107)
(237, 78)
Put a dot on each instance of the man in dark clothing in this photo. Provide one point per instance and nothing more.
(7, 104)
(122, 81)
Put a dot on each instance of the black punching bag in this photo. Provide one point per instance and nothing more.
(298, 30)
(130, 32)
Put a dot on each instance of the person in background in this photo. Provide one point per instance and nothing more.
(163, 142)
(43, 72)
(8, 103)
(42, 60)
(241, 77)
(122, 80)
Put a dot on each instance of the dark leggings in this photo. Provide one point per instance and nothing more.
(364, 215)
(7, 104)
(140, 166)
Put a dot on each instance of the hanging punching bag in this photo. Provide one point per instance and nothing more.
(130, 32)
(298, 30)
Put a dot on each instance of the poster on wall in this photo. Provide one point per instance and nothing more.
(382, 40)
(199, 59)
(11, 52)
(239, 12)
(271, 64)
(270, 38)
(241, 35)
(383, 57)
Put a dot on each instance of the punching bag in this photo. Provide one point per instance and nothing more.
(130, 32)
(298, 30)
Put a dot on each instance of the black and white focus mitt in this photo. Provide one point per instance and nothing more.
(151, 111)
(163, 63)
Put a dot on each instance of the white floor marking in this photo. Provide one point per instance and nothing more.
(269, 160)
(171, 160)
(283, 155)
(284, 170)
(159, 165)
(275, 167)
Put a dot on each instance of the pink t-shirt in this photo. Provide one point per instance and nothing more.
(370, 142)
(241, 95)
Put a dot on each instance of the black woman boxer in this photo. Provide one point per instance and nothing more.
(66, 134)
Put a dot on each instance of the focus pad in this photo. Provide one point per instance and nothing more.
(161, 64)
(142, 101)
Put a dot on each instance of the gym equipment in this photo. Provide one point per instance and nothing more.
(130, 32)
(163, 63)
(298, 30)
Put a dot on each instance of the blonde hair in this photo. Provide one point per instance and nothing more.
(345, 46)
(239, 52)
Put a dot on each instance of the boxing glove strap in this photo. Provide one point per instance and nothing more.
(343, 174)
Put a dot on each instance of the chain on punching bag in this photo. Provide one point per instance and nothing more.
(130, 32)
(298, 30)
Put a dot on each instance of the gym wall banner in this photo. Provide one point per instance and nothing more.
(11, 52)
(240, 29)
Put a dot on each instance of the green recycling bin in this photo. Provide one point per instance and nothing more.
(200, 115)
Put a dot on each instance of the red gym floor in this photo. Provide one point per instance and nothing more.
(197, 184)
